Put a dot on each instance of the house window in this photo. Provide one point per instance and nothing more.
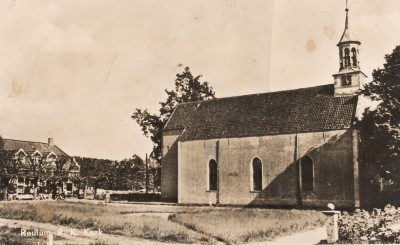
(307, 174)
(213, 175)
(257, 174)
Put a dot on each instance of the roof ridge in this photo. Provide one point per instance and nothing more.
(28, 141)
(248, 95)
(42, 143)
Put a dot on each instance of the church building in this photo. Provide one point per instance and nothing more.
(288, 148)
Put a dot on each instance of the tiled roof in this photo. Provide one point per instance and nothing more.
(72, 166)
(293, 111)
(30, 147)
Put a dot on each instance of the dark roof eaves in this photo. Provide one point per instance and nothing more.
(353, 124)
(60, 150)
(249, 136)
(170, 129)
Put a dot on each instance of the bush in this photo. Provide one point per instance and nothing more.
(379, 226)
(136, 197)
(100, 196)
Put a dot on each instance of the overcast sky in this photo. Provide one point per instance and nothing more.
(76, 70)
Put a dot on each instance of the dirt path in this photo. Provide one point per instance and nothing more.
(75, 236)
(302, 238)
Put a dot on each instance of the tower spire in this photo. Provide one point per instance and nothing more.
(346, 37)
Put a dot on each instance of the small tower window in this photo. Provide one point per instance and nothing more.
(307, 174)
(346, 57)
(257, 174)
(354, 56)
(213, 175)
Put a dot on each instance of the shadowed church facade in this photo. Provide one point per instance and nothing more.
(286, 148)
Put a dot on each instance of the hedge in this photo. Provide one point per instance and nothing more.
(136, 197)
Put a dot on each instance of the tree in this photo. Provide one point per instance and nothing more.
(42, 168)
(94, 173)
(380, 126)
(187, 88)
(9, 165)
(131, 173)
(57, 173)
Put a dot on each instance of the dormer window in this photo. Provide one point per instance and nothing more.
(51, 156)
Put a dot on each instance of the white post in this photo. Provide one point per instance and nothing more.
(332, 226)
(50, 239)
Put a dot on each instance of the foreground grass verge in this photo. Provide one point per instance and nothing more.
(12, 236)
(106, 218)
(184, 225)
(245, 225)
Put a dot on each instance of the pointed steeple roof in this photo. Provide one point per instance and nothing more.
(346, 37)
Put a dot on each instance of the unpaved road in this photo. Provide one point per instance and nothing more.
(76, 236)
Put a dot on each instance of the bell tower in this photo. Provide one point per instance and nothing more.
(350, 78)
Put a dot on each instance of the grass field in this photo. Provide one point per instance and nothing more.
(12, 236)
(184, 224)
(246, 225)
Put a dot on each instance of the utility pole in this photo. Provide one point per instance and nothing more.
(147, 177)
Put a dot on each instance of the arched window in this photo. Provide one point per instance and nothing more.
(257, 174)
(213, 175)
(346, 57)
(307, 174)
(354, 56)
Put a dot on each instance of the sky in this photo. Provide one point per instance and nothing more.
(76, 70)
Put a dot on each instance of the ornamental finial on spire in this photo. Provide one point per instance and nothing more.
(346, 38)
(347, 17)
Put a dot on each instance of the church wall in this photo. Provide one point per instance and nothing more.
(333, 169)
(193, 171)
(169, 170)
(332, 153)
(276, 154)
